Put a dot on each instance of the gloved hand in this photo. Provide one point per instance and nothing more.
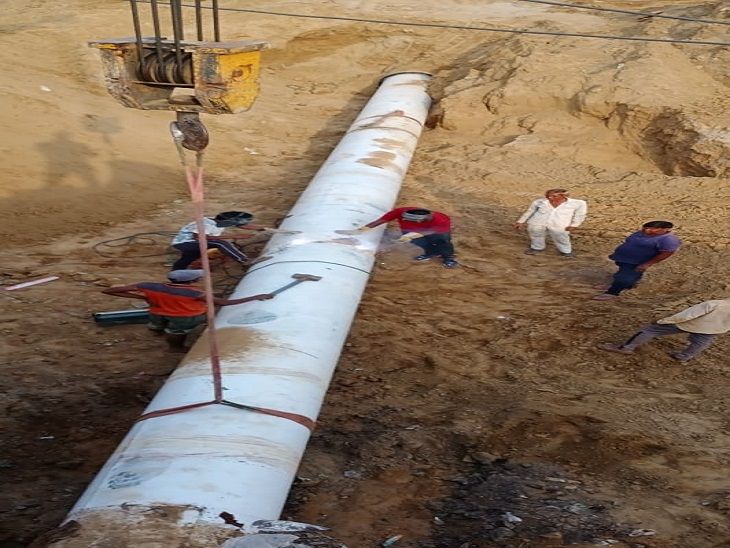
(408, 237)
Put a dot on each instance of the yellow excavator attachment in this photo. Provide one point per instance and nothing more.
(209, 77)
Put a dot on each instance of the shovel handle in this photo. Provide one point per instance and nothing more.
(285, 287)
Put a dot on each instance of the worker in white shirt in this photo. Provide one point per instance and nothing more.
(703, 322)
(557, 215)
(186, 240)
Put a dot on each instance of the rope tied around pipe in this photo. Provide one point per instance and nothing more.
(194, 179)
(299, 419)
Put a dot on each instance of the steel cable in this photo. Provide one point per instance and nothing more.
(629, 12)
(473, 28)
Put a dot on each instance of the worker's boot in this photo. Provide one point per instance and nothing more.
(176, 343)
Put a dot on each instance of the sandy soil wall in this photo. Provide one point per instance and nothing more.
(462, 394)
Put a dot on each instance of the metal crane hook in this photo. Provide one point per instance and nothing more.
(189, 131)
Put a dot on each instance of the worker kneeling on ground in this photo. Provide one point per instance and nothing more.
(186, 240)
(177, 307)
(429, 230)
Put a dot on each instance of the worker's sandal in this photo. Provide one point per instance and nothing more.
(605, 297)
(617, 348)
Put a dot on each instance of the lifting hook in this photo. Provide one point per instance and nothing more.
(189, 131)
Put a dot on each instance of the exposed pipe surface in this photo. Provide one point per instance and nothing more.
(174, 475)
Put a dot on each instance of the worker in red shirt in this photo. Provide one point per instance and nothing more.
(178, 307)
(429, 230)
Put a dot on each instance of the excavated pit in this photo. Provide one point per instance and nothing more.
(490, 389)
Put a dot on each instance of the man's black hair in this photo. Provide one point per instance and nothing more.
(657, 224)
(418, 211)
(232, 218)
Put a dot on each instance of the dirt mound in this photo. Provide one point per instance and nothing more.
(592, 102)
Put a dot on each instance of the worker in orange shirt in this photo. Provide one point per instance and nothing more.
(177, 307)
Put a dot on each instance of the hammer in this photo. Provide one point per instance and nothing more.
(298, 278)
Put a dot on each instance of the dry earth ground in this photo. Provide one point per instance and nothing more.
(462, 394)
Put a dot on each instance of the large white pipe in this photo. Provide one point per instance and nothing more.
(173, 475)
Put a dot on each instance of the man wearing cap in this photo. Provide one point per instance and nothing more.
(429, 230)
(702, 323)
(177, 307)
(642, 249)
(186, 240)
(555, 215)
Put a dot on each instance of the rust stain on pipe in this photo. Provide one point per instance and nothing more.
(380, 158)
(234, 344)
(202, 369)
(169, 525)
(385, 142)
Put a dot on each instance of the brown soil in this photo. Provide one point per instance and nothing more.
(462, 394)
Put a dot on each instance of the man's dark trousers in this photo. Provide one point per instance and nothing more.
(191, 252)
(436, 244)
(626, 278)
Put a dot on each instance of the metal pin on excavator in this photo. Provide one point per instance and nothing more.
(185, 76)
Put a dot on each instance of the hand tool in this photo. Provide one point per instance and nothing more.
(298, 278)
